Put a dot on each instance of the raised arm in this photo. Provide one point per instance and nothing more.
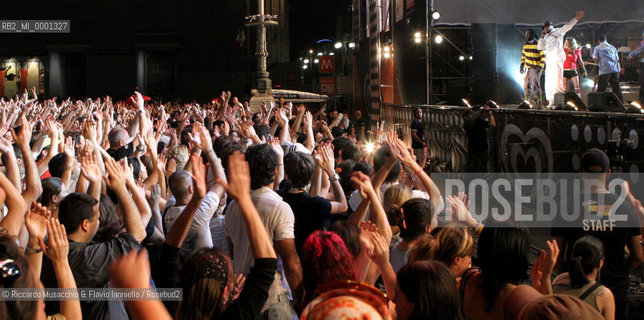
(328, 165)
(180, 227)
(280, 161)
(568, 26)
(400, 151)
(201, 136)
(310, 137)
(132, 270)
(14, 219)
(57, 251)
(378, 215)
(10, 162)
(116, 180)
(22, 138)
(91, 171)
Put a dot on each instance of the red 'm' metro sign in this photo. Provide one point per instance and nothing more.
(326, 64)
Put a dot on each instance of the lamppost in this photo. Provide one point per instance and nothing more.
(261, 20)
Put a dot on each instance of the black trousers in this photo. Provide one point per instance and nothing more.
(613, 80)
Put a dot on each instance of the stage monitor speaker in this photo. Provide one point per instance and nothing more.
(605, 102)
(562, 98)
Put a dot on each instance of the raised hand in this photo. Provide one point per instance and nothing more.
(58, 245)
(36, 220)
(5, 146)
(90, 168)
(89, 130)
(548, 259)
(198, 175)
(115, 178)
(459, 210)
(131, 270)
(238, 185)
(201, 137)
(23, 137)
(70, 148)
(138, 100)
(275, 143)
(325, 153)
(238, 286)
(362, 182)
(580, 14)
(380, 253)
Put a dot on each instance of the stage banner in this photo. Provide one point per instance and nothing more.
(529, 140)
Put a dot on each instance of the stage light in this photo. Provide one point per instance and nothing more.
(320, 54)
(352, 45)
(525, 104)
(634, 107)
(438, 39)
(331, 53)
(492, 104)
(369, 147)
(338, 45)
(305, 67)
(316, 61)
(461, 58)
(436, 15)
(417, 38)
(306, 61)
(588, 46)
(466, 103)
(571, 106)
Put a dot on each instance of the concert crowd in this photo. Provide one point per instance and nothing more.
(286, 212)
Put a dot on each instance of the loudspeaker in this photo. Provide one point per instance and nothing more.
(605, 102)
(562, 98)
(493, 46)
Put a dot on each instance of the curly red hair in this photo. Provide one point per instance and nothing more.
(325, 258)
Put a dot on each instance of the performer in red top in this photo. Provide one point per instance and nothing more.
(573, 57)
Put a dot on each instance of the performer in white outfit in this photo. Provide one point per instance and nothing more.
(551, 42)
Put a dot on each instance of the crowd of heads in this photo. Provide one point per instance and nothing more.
(279, 210)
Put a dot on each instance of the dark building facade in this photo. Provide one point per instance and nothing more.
(188, 50)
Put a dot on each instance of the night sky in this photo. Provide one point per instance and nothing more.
(312, 20)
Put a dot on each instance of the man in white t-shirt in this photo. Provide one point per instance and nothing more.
(279, 221)
(198, 236)
(180, 183)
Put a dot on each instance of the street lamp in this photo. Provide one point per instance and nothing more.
(306, 61)
(352, 45)
(338, 45)
(316, 61)
(438, 39)
(436, 15)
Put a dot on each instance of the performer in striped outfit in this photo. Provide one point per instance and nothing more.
(532, 61)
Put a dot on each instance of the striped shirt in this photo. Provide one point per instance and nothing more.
(532, 57)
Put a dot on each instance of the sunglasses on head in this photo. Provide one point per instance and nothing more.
(9, 271)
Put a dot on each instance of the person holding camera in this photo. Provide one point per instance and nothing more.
(476, 120)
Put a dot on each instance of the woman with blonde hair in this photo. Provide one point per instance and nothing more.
(455, 248)
(573, 58)
(392, 200)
